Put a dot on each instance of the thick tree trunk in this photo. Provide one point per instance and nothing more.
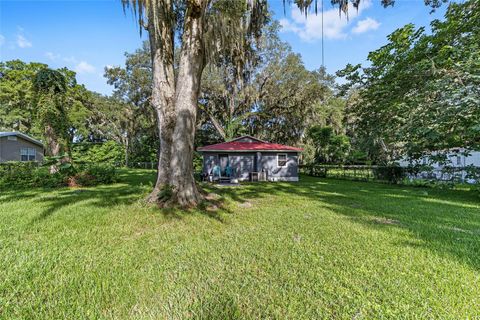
(53, 145)
(163, 102)
(185, 192)
(163, 92)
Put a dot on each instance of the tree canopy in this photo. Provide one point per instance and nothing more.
(420, 93)
(213, 70)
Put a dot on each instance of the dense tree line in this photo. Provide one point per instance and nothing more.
(230, 74)
(49, 105)
(277, 102)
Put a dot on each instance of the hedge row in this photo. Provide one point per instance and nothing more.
(30, 174)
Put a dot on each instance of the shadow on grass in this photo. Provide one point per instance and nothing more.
(446, 221)
(132, 187)
(216, 306)
(99, 197)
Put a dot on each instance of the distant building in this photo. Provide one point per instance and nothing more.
(454, 166)
(249, 158)
(16, 146)
(456, 157)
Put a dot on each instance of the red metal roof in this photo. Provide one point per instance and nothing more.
(257, 145)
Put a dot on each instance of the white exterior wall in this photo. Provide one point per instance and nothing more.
(456, 160)
(473, 159)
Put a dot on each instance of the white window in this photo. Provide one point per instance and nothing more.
(28, 154)
(12, 138)
(281, 160)
(459, 161)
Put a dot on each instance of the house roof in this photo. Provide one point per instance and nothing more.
(21, 135)
(240, 146)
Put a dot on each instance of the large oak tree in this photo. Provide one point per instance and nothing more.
(205, 29)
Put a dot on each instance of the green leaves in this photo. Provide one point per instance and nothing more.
(49, 80)
(17, 111)
(421, 91)
(329, 147)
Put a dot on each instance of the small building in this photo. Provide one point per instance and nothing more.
(248, 158)
(16, 146)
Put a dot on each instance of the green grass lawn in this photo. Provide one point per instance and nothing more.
(320, 248)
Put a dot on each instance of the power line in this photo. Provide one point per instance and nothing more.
(323, 50)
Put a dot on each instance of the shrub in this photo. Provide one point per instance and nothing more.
(100, 174)
(392, 174)
(28, 174)
(108, 152)
(197, 162)
(41, 177)
(17, 173)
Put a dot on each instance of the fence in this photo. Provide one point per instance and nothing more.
(394, 174)
(142, 165)
(469, 174)
(349, 172)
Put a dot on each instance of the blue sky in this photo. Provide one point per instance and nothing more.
(87, 36)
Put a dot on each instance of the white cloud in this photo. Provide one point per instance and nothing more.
(288, 26)
(334, 25)
(311, 29)
(80, 67)
(70, 59)
(52, 56)
(22, 42)
(2, 40)
(366, 25)
(84, 67)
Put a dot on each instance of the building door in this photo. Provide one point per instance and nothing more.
(223, 160)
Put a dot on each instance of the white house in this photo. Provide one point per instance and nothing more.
(457, 159)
